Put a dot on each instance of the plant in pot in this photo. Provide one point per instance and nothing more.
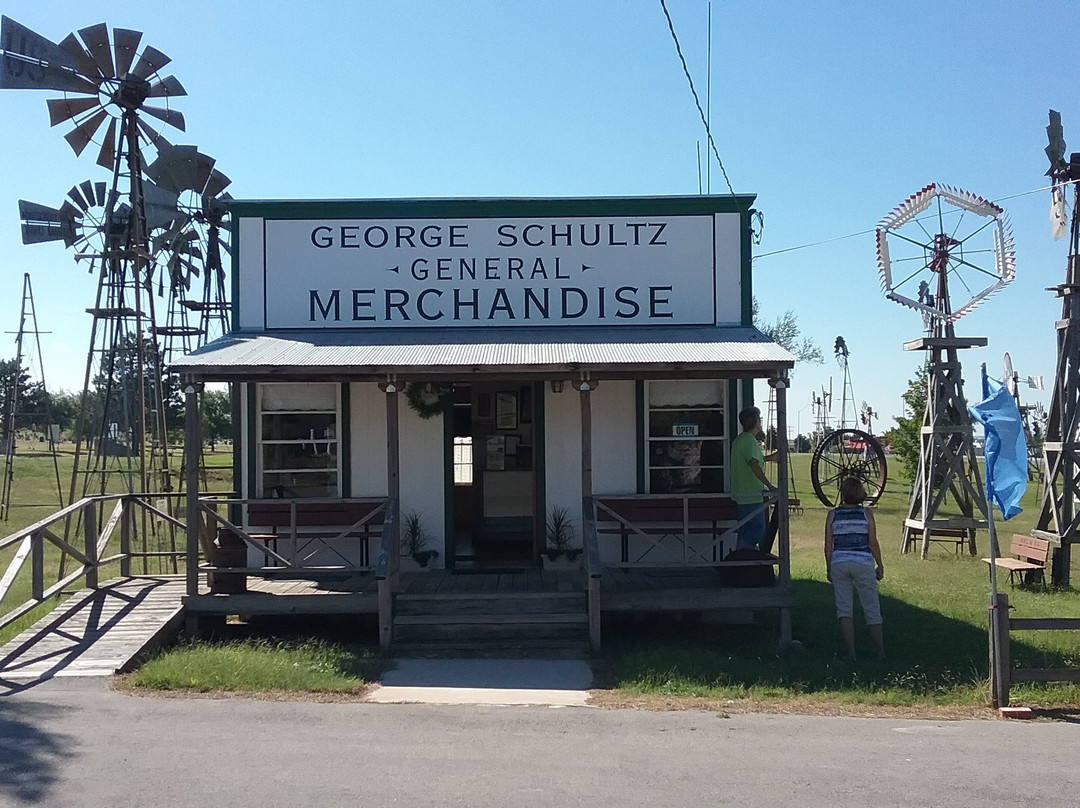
(560, 532)
(415, 538)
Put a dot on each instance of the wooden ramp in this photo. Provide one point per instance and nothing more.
(96, 632)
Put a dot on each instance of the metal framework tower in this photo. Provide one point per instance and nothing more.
(1059, 518)
(944, 233)
(15, 416)
(948, 500)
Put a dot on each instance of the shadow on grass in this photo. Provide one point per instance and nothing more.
(931, 657)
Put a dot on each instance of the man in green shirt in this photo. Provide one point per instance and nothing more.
(748, 480)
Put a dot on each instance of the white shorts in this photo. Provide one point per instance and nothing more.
(853, 577)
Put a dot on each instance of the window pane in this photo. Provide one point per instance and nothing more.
(304, 484)
(709, 423)
(322, 396)
(314, 427)
(699, 393)
(675, 481)
(675, 453)
(298, 456)
(686, 481)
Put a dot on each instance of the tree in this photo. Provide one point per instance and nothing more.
(905, 436)
(118, 385)
(217, 416)
(32, 399)
(784, 331)
(64, 408)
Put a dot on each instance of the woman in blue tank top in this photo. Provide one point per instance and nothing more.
(853, 564)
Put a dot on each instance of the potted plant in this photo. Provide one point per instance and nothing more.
(558, 554)
(414, 540)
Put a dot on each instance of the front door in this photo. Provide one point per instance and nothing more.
(494, 454)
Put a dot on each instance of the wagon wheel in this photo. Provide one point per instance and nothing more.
(848, 453)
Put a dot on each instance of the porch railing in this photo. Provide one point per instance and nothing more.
(700, 524)
(310, 525)
(73, 544)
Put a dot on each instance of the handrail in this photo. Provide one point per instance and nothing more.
(81, 540)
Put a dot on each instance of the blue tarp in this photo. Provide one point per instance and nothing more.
(1006, 447)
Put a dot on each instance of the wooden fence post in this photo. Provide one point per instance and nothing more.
(1000, 652)
(125, 538)
(91, 540)
(37, 565)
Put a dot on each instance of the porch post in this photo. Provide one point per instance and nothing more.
(782, 512)
(586, 439)
(192, 446)
(393, 477)
(592, 564)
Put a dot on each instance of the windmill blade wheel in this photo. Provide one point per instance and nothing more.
(848, 453)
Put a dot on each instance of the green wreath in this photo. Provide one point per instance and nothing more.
(414, 396)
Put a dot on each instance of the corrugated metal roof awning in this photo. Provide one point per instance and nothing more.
(459, 353)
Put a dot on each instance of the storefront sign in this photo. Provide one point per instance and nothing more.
(470, 272)
(684, 430)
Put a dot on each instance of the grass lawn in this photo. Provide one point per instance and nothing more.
(322, 654)
(935, 618)
(262, 665)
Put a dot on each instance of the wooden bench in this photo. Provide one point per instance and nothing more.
(1031, 555)
(306, 523)
(656, 517)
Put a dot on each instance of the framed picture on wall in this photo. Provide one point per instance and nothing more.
(506, 410)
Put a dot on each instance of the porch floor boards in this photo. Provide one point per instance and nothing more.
(622, 589)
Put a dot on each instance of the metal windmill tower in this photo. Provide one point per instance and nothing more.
(847, 451)
(1059, 518)
(189, 251)
(16, 416)
(106, 85)
(937, 242)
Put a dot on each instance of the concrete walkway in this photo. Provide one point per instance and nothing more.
(552, 683)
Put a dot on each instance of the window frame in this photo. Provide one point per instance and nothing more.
(337, 441)
(724, 440)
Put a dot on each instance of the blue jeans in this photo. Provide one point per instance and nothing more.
(753, 531)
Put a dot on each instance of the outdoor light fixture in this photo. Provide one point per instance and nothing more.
(556, 386)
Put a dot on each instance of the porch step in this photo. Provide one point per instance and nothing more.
(491, 624)
(533, 648)
(451, 603)
(493, 619)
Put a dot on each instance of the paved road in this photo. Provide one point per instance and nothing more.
(74, 743)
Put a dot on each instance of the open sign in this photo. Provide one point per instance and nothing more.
(684, 430)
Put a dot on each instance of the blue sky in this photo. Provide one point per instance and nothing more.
(832, 113)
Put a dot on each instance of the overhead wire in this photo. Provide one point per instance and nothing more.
(697, 100)
(874, 229)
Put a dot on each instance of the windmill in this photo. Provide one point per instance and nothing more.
(1059, 517)
(847, 451)
(867, 416)
(114, 96)
(189, 250)
(938, 242)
